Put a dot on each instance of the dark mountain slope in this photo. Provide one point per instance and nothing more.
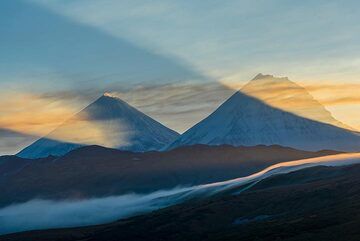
(95, 171)
(319, 203)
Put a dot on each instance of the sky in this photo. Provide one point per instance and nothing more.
(57, 56)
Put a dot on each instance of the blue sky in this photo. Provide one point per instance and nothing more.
(303, 39)
(53, 51)
(231, 40)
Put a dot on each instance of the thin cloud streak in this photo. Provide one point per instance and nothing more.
(341, 101)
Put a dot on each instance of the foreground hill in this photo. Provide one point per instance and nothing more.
(109, 122)
(95, 171)
(318, 203)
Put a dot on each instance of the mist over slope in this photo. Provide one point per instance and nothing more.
(25, 216)
(95, 171)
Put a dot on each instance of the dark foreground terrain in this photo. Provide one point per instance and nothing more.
(95, 171)
(319, 203)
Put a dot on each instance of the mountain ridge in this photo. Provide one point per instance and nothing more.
(246, 120)
(108, 121)
(287, 95)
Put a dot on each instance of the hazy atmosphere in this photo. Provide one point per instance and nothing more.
(57, 56)
(179, 120)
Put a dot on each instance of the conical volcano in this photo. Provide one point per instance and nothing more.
(284, 94)
(109, 122)
(245, 120)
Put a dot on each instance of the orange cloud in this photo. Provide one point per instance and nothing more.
(341, 101)
(32, 114)
(332, 87)
(40, 115)
(336, 94)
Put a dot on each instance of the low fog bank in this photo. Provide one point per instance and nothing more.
(45, 214)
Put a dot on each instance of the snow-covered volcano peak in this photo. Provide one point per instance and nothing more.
(262, 76)
(110, 97)
(108, 94)
(248, 120)
(108, 121)
(109, 106)
(284, 94)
